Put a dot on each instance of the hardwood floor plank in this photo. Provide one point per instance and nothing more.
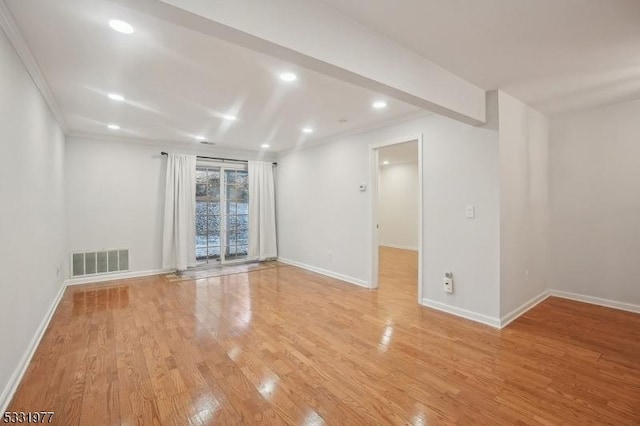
(281, 345)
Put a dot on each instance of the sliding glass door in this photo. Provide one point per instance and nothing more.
(222, 214)
(236, 214)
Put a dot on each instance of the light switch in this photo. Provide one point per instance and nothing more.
(470, 211)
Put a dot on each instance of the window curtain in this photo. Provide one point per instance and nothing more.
(262, 211)
(179, 236)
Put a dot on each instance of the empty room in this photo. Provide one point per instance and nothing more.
(309, 212)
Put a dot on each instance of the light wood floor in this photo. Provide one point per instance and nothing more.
(286, 346)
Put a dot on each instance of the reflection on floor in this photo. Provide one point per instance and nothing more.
(287, 346)
(219, 271)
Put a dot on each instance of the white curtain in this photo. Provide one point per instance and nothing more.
(179, 237)
(262, 211)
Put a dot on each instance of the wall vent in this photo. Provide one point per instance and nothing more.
(99, 262)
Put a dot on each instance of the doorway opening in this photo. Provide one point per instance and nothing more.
(397, 217)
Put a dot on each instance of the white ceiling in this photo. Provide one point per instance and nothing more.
(555, 55)
(178, 83)
(401, 153)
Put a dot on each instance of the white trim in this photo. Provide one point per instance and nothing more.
(520, 310)
(21, 369)
(399, 247)
(396, 141)
(464, 313)
(185, 146)
(374, 176)
(8, 24)
(341, 277)
(530, 304)
(421, 216)
(629, 307)
(116, 276)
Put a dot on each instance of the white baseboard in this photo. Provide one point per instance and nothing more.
(21, 369)
(397, 246)
(464, 313)
(520, 310)
(117, 276)
(630, 307)
(326, 272)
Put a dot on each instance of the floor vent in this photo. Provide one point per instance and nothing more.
(99, 262)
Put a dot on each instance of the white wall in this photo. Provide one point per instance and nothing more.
(524, 203)
(398, 203)
(115, 196)
(595, 202)
(31, 213)
(322, 211)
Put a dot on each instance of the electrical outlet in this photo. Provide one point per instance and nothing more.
(448, 282)
(330, 255)
(470, 211)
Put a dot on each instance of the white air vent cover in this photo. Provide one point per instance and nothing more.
(99, 262)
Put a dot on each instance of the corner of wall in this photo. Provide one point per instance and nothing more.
(524, 205)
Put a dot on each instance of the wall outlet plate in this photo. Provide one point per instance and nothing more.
(470, 211)
(448, 284)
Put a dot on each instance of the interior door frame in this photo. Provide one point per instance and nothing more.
(374, 187)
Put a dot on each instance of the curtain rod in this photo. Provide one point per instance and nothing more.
(219, 159)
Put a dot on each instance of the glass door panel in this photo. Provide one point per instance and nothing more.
(208, 215)
(222, 214)
(237, 218)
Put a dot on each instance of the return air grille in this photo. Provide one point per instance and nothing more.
(99, 262)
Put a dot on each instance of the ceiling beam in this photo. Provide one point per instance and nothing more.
(315, 37)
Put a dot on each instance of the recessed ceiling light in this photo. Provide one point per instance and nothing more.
(265, 145)
(113, 126)
(385, 162)
(121, 26)
(200, 138)
(379, 104)
(115, 97)
(230, 117)
(307, 130)
(288, 76)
